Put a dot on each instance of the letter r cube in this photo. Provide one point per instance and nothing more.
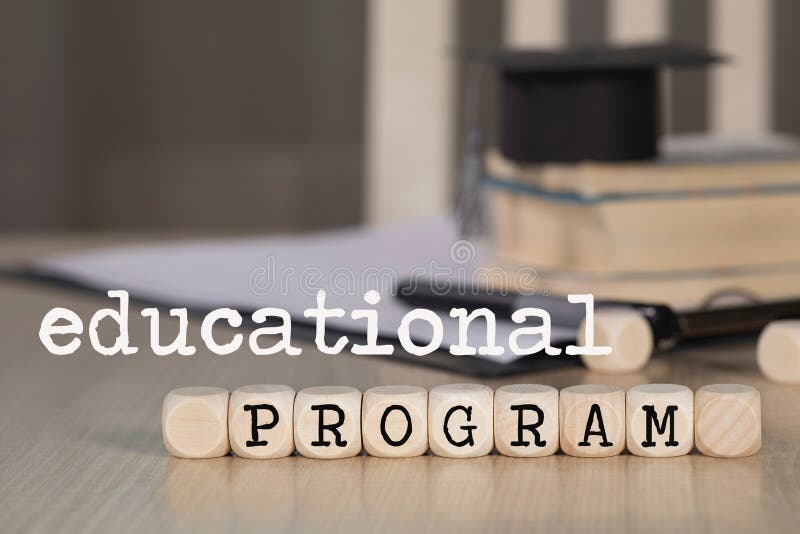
(526, 420)
(592, 420)
(327, 422)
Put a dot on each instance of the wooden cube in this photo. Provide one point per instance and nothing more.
(194, 422)
(660, 420)
(394, 421)
(526, 420)
(260, 421)
(778, 352)
(727, 420)
(628, 334)
(592, 420)
(460, 420)
(327, 422)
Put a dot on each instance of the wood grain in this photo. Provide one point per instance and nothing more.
(194, 422)
(81, 449)
(727, 421)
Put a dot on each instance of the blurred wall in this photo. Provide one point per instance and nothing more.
(250, 115)
(36, 138)
(181, 114)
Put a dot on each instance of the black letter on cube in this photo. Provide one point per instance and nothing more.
(255, 427)
(537, 439)
(595, 413)
(469, 440)
(385, 434)
(333, 427)
(652, 420)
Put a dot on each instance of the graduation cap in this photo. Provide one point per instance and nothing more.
(597, 103)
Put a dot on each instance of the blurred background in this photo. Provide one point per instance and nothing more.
(264, 116)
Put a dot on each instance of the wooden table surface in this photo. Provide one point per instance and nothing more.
(80, 447)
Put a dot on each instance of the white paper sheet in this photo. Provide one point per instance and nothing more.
(286, 272)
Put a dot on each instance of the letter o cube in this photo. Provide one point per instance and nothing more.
(461, 420)
(394, 421)
(660, 420)
(592, 420)
(260, 421)
(526, 420)
(327, 422)
(194, 422)
(727, 420)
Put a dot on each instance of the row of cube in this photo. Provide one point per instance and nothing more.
(462, 421)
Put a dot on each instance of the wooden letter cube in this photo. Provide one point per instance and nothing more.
(394, 421)
(460, 420)
(260, 421)
(592, 420)
(727, 420)
(526, 420)
(327, 422)
(660, 420)
(194, 422)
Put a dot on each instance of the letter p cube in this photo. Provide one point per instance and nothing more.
(260, 421)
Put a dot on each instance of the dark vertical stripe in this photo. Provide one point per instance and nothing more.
(585, 22)
(786, 66)
(162, 98)
(35, 116)
(332, 48)
(479, 25)
(689, 109)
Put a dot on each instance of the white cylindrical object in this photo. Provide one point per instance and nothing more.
(627, 333)
(778, 352)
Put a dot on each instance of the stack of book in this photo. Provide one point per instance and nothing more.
(583, 193)
(709, 218)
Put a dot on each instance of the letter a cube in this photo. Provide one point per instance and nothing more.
(592, 420)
